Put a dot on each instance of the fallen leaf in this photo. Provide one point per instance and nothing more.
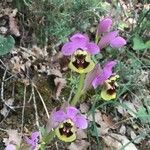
(79, 145)
(84, 107)
(122, 130)
(3, 30)
(14, 29)
(56, 82)
(117, 141)
(81, 134)
(38, 52)
(8, 103)
(134, 137)
(131, 108)
(14, 138)
(60, 84)
(105, 121)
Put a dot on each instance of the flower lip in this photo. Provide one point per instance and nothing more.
(109, 89)
(66, 129)
(112, 89)
(80, 62)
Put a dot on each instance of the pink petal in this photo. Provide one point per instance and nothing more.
(28, 140)
(104, 25)
(105, 40)
(104, 75)
(81, 122)
(92, 48)
(72, 112)
(35, 135)
(59, 116)
(68, 48)
(118, 42)
(91, 76)
(79, 37)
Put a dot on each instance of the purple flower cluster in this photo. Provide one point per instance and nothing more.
(66, 121)
(33, 141)
(108, 37)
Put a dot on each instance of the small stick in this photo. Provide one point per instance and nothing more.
(44, 105)
(35, 106)
(2, 90)
(23, 109)
(3, 130)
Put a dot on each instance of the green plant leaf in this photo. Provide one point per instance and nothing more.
(143, 115)
(6, 44)
(48, 137)
(148, 44)
(138, 43)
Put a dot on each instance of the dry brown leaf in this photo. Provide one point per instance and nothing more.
(130, 111)
(109, 121)
(79, 145)
(136, 140)
(38, 52)
(84, 107)
(3, 30)
(116, 142)
(122, 130)
(81, 134)
(60, 84)
(14, 138)
(14, 29)
(105, 121)
(8, 103)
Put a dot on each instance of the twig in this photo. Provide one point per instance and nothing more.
(3, 63)
(2, 86)
(56, 145)
(30, 98)
(35, 106)
(10, 77)
(2, 91)
(44, 105)
(23, 109)
(70, 96)
(3, 130)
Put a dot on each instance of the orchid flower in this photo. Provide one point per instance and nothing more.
(80, 49)
(33, 141)
(67, 122)
(109, 38)
(106, 78)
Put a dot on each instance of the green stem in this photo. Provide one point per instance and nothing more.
(79, 90)
(97, 38)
